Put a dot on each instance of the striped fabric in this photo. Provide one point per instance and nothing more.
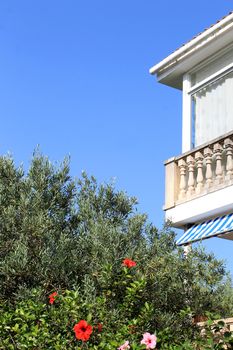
(210, 228)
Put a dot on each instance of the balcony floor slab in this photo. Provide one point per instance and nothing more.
(201, 208)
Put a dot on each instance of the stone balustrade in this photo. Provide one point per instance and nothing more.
(199, 171)
(228, 322)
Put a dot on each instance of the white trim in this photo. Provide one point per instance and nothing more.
(208, 35)
(214, 57)
(213, 77)
(187, 115)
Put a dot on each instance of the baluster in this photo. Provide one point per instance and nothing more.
(208, 160)
(199, 162)
(191, 163)
(228, 144)
(218, 156)
(182, 167)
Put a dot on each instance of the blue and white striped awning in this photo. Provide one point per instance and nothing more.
(217, 226)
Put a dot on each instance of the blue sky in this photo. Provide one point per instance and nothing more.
(74, 78)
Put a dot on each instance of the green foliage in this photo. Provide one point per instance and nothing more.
(34, 323)
(58, 233)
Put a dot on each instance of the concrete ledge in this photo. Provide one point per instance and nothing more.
(210, 205)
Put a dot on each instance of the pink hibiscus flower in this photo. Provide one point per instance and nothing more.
(124, 346)
(149, 340)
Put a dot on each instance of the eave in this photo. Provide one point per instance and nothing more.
(171, 69)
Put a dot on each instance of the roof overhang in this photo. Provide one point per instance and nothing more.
(170, 70)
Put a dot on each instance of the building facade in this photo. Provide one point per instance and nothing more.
(199, 181)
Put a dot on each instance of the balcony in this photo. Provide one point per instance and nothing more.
(198, 183)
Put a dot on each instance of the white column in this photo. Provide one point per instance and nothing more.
(208, 153)
(187, 249)
(229, 154)
(199, 163)
(219, 168)
(190, 162)
(182, 167)
(187, 115)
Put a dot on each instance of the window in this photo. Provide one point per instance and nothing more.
(212, 108)
(211, 97)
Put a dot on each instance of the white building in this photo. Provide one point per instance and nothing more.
(199, 182)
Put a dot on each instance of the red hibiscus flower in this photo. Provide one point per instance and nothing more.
(52, 297)
(82, 330)
(99, 327)
(129, 263)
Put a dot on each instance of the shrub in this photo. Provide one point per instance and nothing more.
(58, 233)
(68, 320)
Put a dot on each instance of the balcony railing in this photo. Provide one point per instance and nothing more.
(228, 323)
(200, 171)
